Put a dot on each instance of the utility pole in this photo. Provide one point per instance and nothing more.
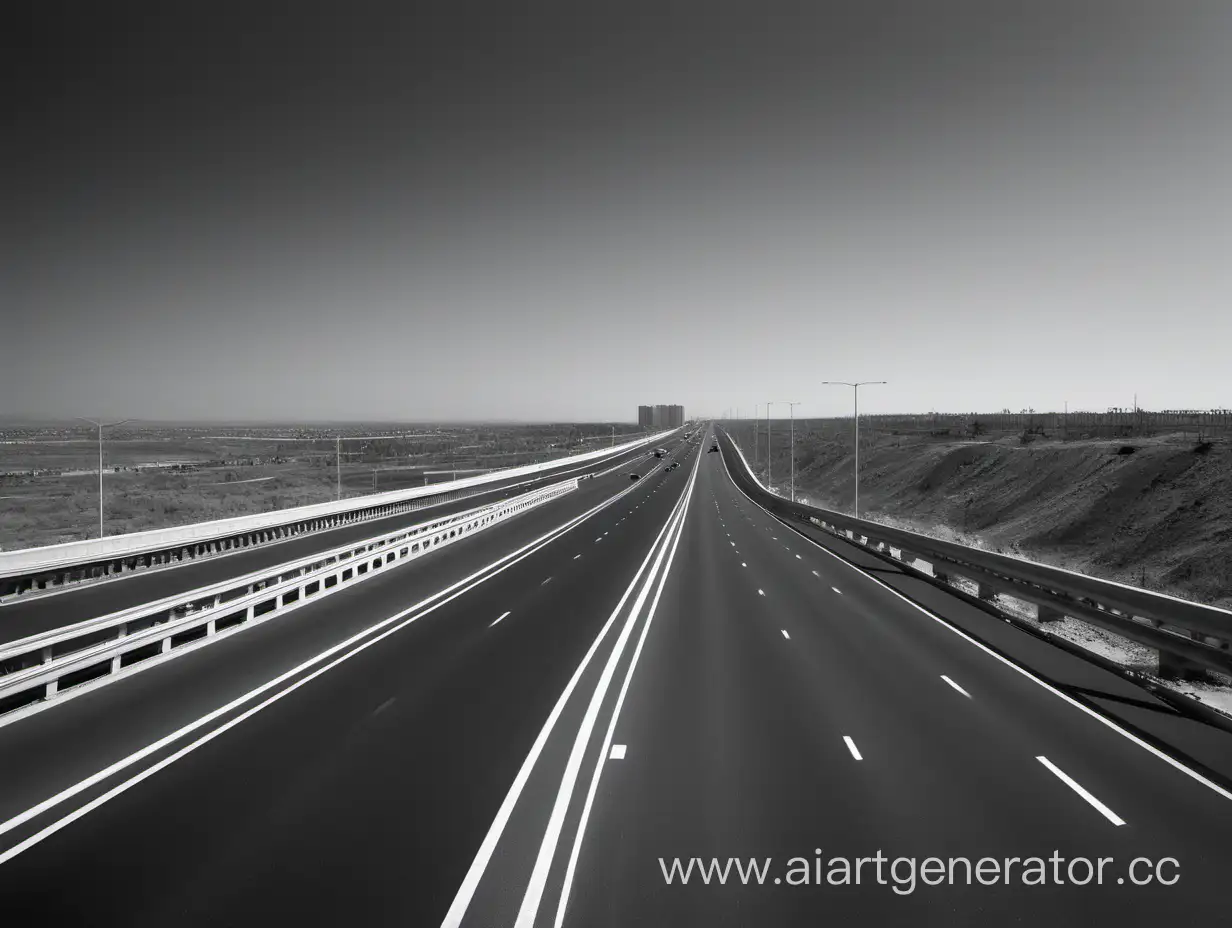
(338, 465)
(100, 425)
(856, 393)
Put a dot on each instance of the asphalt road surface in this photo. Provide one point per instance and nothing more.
(662, 671)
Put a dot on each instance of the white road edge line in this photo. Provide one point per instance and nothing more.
(1077, 788)
(453, 917)
(564, 796)
(955, 685)
(571, 868)
(449, 593)
(502, 616)
(851, 746)
(1102, 719)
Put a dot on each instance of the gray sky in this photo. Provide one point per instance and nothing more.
(560, 214)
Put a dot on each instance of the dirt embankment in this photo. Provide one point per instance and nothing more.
(1154, 512)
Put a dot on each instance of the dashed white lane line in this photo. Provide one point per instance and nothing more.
(955, 685)
(576, 556)
(732, 543)
(761, 592)
(816, 574)
(785, 635)
(742, 564)
(851, 746)
(599, 539)
(1077, 788)
(618, 752)
(546, 581)
(837, 590)
(798, 558)
(502, 616)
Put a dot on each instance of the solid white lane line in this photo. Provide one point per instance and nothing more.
(457, 909)
(502, 616)
(955, 685)
(851, 746)
(432, 602)
(611, 729)
(618, 752)
(564, 795)
(785, 635)
(1017, 668)
(1077, 788)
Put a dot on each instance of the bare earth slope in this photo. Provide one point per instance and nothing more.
(1159, 515)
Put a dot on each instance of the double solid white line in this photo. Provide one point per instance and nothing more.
(667, 538)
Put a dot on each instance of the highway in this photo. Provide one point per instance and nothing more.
(521, 728)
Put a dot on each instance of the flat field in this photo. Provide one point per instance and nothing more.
(159, 474)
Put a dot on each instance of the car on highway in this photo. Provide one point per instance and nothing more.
(635, 476)
(714, 447)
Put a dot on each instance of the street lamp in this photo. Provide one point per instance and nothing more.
(856, 394)
(791, 409)
(769, 482)
(755, 431)
(100, 426)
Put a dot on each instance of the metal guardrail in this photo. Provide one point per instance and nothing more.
(38, 668)
(55, 566)
(1190, 637)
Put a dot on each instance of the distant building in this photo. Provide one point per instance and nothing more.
(660, 416)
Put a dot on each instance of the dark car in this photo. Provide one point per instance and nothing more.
(635, 476)
(713, 448)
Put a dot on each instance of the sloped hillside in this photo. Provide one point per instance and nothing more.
(1153, 512)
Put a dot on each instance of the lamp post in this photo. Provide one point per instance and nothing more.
(100, 425)
(856, 394)
(755, 431)
(769, 482)
(791, 409)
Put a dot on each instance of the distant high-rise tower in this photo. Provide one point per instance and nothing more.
(660, 416)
